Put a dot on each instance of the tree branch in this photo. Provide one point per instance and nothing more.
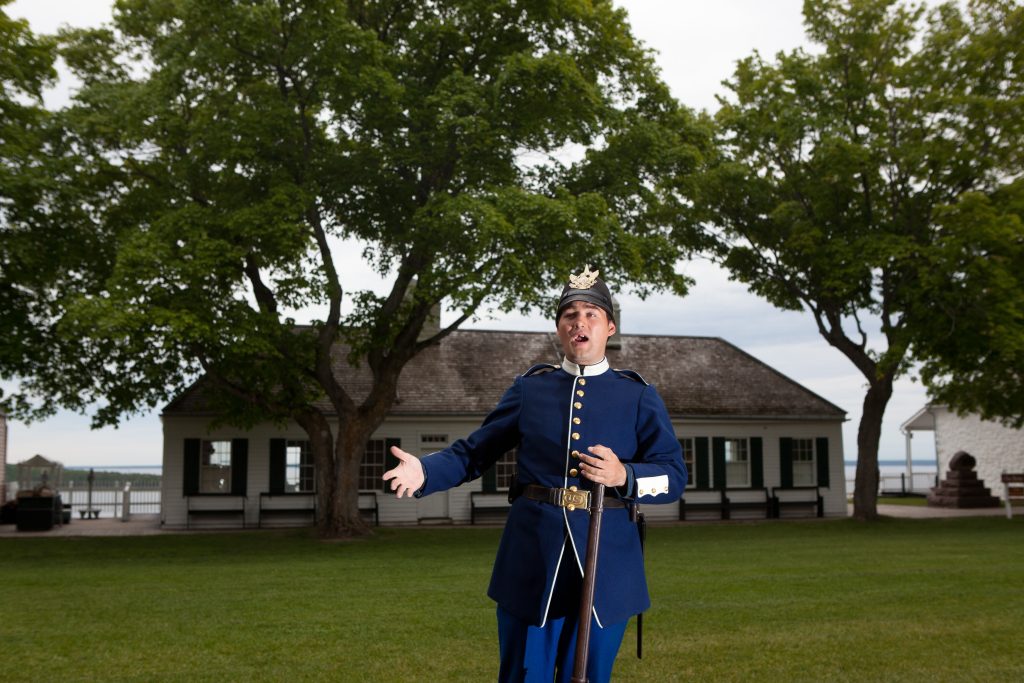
(324, 371)
(264, 295)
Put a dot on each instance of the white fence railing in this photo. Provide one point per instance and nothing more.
(112, 502)
(900, 484)
(114, 499)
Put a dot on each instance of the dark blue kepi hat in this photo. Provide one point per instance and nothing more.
(586, 287)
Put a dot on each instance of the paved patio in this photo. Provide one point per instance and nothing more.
(138, 525)
(926, 512)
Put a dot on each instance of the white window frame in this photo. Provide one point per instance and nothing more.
(504, 470)
(804, 460)
(371, 469)
(690, 460)
(215, 466)
(299, 468)
(737, 463)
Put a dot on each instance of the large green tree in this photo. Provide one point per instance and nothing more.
(26, 68)
(219, 153)
(874, 182)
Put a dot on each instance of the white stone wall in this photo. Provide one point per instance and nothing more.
(407, 511)
(995, 447)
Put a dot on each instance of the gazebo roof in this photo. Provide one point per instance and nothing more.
(39, 461)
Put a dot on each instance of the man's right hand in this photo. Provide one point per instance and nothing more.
(408, 477)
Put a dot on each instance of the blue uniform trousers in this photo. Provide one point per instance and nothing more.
(542, 654)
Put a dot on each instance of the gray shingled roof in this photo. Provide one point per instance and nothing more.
(468, 371)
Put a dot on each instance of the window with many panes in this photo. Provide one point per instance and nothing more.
(372, 468)
(215, 467)
(803, 462)
(434, 440)
(737, 463)
(505, 470)
(298, 467)
(689, 458)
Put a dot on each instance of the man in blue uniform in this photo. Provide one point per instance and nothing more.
(572, 425)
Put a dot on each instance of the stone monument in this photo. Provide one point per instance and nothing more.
(961, 488)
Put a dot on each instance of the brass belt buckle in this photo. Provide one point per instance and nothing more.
(571, 499)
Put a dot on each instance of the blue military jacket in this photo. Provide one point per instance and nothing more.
(549, 414)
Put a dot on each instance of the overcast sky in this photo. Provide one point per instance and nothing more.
(697, 45)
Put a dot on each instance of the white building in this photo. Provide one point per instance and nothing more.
(3, 458)
(996, 447)
(747, 432)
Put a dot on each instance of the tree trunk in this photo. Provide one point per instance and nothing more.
(337, 472)
(321, 443)
(869, 432)
(345, 519)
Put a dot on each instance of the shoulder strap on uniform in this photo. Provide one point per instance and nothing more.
(633, 375)
(540, 369)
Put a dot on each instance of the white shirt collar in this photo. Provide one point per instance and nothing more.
(578, 370)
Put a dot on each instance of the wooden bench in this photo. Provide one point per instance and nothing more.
(706, 499)
(368, 506)
(487, 502)
(298, 504)
(800, 497)
(725, 501)
(225, 506)
(747, 499)
(1013, 491)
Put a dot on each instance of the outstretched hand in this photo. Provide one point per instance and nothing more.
(603, 466)
(407, 478)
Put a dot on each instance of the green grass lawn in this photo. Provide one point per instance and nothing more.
(919, 501)
(907, 600)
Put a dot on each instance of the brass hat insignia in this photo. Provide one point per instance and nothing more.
(584, 280)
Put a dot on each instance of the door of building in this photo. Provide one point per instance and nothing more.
(433, 509)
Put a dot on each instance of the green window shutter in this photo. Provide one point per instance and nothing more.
(278, 465)
(821, 456)
(718, 458)
(239, 466)
(701, 463)
(191, 467)
(390, 461)
(786, 462)
(756, 463)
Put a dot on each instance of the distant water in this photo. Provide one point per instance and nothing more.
(893, 475)
(893, 467)
(896, 463)
(127, 469)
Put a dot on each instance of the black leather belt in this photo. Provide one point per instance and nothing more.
(570, 498)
